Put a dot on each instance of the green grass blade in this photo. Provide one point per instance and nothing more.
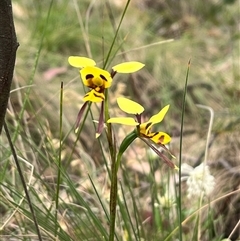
(33, 215)
(180, 154)
(59, 160)
(116, 34)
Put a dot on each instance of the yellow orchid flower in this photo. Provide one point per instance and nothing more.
(98, 80)
(93, 77)
(144, 128)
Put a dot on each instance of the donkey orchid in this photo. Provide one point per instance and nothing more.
(98, 80)
(143, 129)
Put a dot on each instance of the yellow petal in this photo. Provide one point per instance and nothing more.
(94, 76)
(80, 62)
(129, 106)
(159, 116)
(123, 120)
(128, 67)
(94, 96)
(145, 128)
(160, 138)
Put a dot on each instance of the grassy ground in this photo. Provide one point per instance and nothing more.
(164, 36)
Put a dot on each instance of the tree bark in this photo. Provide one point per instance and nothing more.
(8, 49)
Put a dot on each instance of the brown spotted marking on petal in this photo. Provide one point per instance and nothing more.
(147, 126)
(103, 77)
(89, 76)
(161, 139)
(98, 96)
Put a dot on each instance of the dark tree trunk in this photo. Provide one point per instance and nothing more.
(8, 48)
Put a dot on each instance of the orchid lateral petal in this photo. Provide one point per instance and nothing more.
(129, 106)
(80, 62)
(128, 67)
(168, 161)
(123, 120)
(166, 149)
(100, 122)
(160, 138)
(79, 116)
(160, 154)
(159, 116)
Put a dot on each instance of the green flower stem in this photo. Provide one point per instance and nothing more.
(113, 190)
(113, 200)
(112, 145)
(113, 174)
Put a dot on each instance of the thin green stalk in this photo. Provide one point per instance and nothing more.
(114, 169)
(155, 213)
(26, 99)
(112, 146)
(199, 216)
(90, 214)
(128, 215)
(99, 198)
(23, 181)
(59, 162)
(113, 201)
(180, 155)
(113, 176)
(78, 135)
(116, 34)
(137, 218)
(112, 143)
